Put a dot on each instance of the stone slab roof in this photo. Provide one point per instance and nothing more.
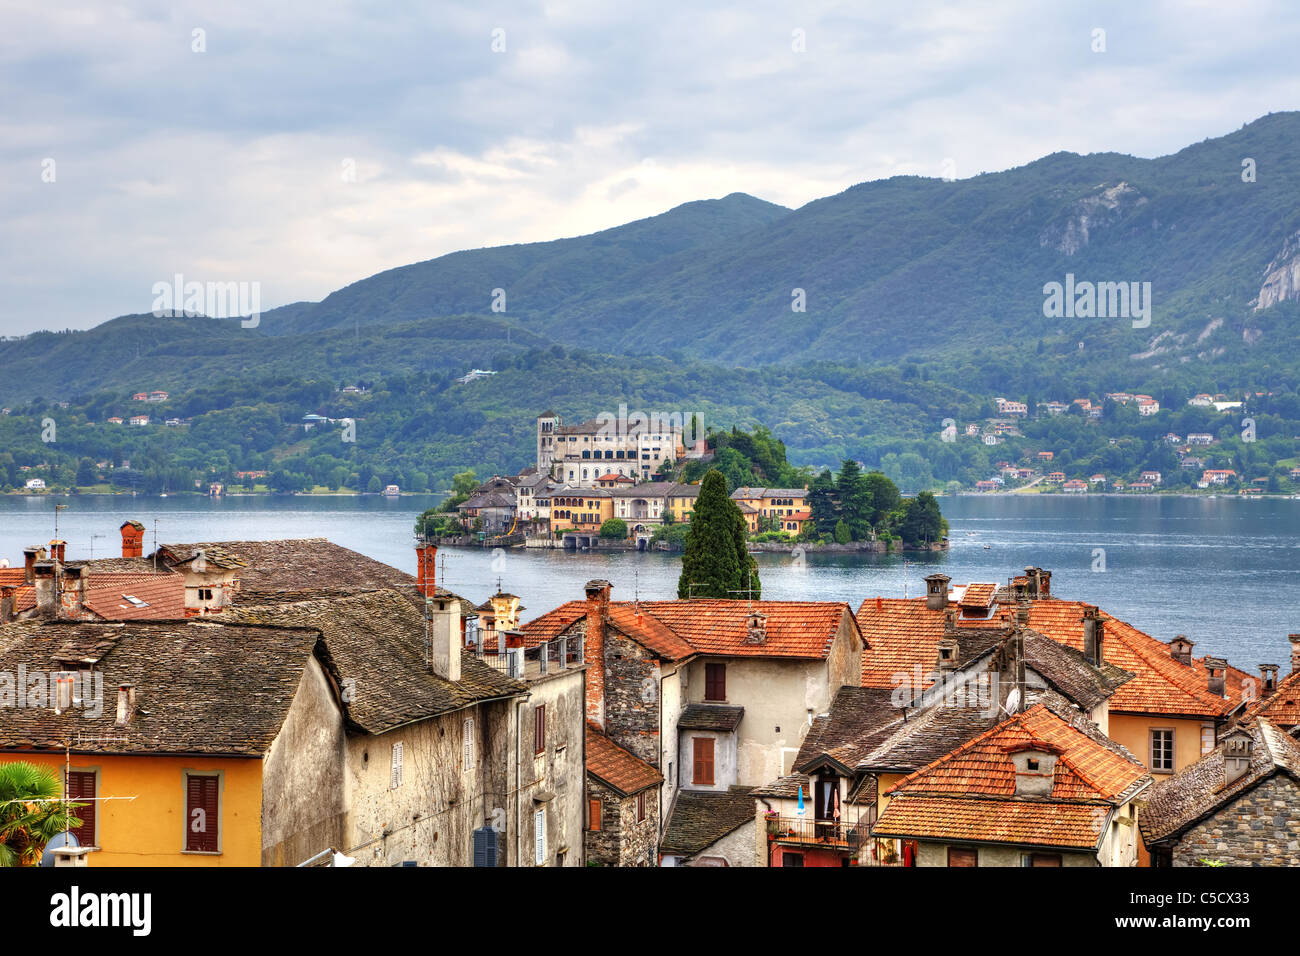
(716, 717)
(701, 818)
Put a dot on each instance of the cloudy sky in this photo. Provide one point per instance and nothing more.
(305, 145)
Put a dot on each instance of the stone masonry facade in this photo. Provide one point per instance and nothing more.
(1261, 828)
(621, 840)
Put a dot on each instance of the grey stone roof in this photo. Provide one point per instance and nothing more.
(1186, 798)
(710, 717)
(701, 818)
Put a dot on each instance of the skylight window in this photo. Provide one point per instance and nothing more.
(134, 601)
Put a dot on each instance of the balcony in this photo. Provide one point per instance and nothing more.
(853, 839)
(526, 663)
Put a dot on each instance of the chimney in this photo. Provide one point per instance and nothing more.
(597, 592)
(132, 539)
(46, 599)
(445, 640)
(1035, 764)
(73, 599)
(1268, 677)
(936, 591)
(1218, 673)
(755, 628)
(6, 605)
(1238, 746)
(1094, 635)
(1022, 613)
(125, 704)
(1295, 651)
(949, 652)
(30, 557)
(1180, 649)
(57, 550)
(426, 572)
(1039, 583)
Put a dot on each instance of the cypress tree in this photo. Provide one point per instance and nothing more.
(716, 563)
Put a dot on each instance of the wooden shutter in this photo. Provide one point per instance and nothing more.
(396, 775)
(539, 836)
(81, 786)
(485, 847)
(640, 806)
(1045, 859)
(593, 815)
(539, 729)
(962, 856)
(202, 813)
(715, 681)
(469, 743)
(702, 749)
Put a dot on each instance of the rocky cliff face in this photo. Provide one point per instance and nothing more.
(1085, 216)
(1282, 277)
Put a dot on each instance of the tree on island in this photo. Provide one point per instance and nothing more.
(716, 563)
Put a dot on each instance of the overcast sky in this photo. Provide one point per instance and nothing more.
(311, 144)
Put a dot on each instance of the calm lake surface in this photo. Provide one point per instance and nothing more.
(1223, 571)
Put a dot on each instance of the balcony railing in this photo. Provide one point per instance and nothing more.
(851, 838)
(524, 663)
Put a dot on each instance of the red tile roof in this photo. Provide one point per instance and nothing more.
(969, 794)
(162, 596)
(553, 623)
(1282, 707)
(901, 633)
(13, 577)
(615, 767)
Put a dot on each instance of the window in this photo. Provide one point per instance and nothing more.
(539, 836)
(468, 743)
(640, 806)
(1162, 751)
(202, 813)
(205, 594)
(715, 681)
(702, 748)
(395, 775)
(1043, 859)
(81, 787)
(792, 859)
(593, 815)
(962, 856)
(539, 729)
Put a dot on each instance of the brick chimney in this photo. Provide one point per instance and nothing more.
(1039, 583)
(132, 539)
(445, 638)
(426, 572)
(1268, 677)
(72, 600)
(1094, 635)
(57, 550)
(597, 592)
(1180, 649)
(1217, 669)
(936, 591)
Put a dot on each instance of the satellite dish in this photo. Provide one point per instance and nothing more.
(57, 841)
(1013, 701)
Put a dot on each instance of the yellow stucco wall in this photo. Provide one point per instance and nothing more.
(1134, 732)
(149, 830)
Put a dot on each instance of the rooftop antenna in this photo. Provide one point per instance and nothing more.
(155, 545)
(92, 544)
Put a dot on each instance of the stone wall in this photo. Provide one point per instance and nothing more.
(1260, 828)
(632, 697)
(621, 840)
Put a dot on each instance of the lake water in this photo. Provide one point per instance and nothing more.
(1224, 571)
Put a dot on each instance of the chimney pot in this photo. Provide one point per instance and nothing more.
(936, 591)
(1094, 635)
(1217, 669)
(1268, 677)
(132, 539)
(125, 704)
(597, 592)
(444, 636)
(1180, 649)
(1295, 651)
(426, 554)
(756, 628)
(57, 550)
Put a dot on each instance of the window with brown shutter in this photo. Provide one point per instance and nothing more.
(593, 815)
(202, 813)
(702, 749)
(539, 729)
(640, 806)
(962, 856)
(715, 681)
(1044, 859)
(81, 787)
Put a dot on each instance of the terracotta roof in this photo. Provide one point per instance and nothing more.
(13, 577)
(1179, 802)
(553, 623)
(795, 629)
(700, 818)
(1078, 826)
(376, 638)
(200, 687)
(1089, 768)
(615, 767)
(1282, 707)
(901, 633)
(635, 622)
(710, 717)
(969, 794)
(161, 597)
